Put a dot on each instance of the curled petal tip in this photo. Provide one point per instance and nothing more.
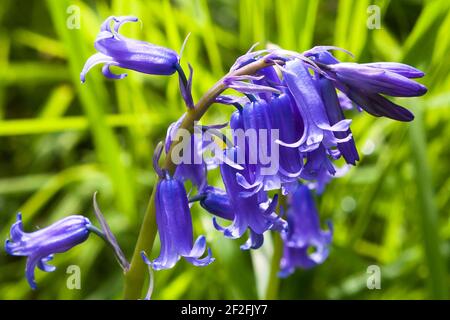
(145, 258)
(109, 74)
(8, 248)
(217, 225)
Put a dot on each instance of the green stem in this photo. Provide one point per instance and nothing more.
(274, 281)
(134, 278)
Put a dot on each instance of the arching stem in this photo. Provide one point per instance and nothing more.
(134, 278)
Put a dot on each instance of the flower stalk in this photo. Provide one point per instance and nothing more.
(134, 278)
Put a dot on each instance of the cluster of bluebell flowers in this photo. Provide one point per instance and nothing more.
(299, 102)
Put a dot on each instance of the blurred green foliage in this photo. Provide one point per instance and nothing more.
(60, 141)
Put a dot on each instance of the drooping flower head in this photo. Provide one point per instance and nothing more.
(39, 246)
(175, 224)
(366, 84)
(304, 233)
(258, 128)
(117, 50)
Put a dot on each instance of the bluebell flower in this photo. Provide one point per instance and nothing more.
(253, 140)
(175, 224)
(304, 233)
(117, 50)
(175, 227)
(335, 114)
(378, 106)
(254, 212)
(284, 117)
(39, 246)
(376, 78)
(317, 128)
(310, 122)
(345, 103)
(266, 118)
(217, 202)
(319, 168)
(365, 84)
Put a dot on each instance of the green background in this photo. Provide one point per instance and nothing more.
(60, 141)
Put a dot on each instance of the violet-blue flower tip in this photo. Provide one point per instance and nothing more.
(8, 247)
(244, 247)
(228, 234)
(423, 90)
(33, 285)
(283, 274)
